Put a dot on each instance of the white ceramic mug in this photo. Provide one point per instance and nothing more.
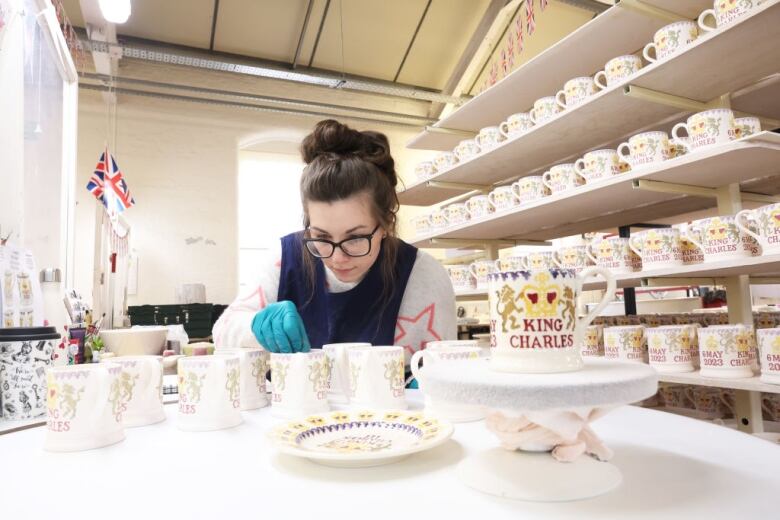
(438, 219)
(461, 277)
(593, 342)
(82, 411)
(771, 405)
(457, 213)
(691, 253)
(705, 129)
(533, 321)
(719, 238)
(479, 206)
(489, 137)
(598, 164)
(510, 263)
(434, 354)
(576, 91)
(545, 109)
(669, 348)
(253, 370)
(626, 343)
(614, 253)
(376, 377)
(539, 260)
(466, 149)
(300, 383)
(421, 224)
(529, 189)
(725, 12)
(141, 385)
(670, 40)
(658, 248)
(338, 382)
(209, 393)
(480, 270)
(444, 161)
(572, 257)
(645, 148)
(617, 70)
(516, 124)
(747, 126)
(562, 177)
(766, 220)
(769, 348)
(425, 170)
(727, 351)
(503, 198)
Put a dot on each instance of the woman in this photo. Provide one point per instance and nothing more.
(346, 277)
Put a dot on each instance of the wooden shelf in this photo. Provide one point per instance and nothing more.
(739, 55)
(618, 30)
(753, 384)
(614, 201)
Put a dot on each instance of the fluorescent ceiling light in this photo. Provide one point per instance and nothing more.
(115, 11)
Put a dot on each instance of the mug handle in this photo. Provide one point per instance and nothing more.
(556, 260)
(516, 189)
(414, 363)
(478, 140)
(633, 245)
(457, 152)
(490, 197)
(688, 391)
(705, 14)
(532, 116)
(625, 156)
(609, 295)
(693, 234)
(600, 74)
(741, 219)
(546, 180)
(646, 52)
(473, 270)
(676, 139)
(501, 130)
(589, 253)
(730, 405)
(579, 166)
(558, 96)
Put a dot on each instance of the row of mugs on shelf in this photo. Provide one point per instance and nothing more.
(667, 41)
(748, 233)
(720, 351)
(709, 402)
(761, 319)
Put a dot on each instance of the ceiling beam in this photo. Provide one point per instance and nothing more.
(214, 17)
(411, 42)
(98, 28)
(319, 32)
(303, 34)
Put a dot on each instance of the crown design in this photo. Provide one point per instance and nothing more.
(776, 345)
(743, 341)
(717, 229)
(711, 343)
(541, 297)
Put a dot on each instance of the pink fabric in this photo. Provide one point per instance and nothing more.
(566, 432)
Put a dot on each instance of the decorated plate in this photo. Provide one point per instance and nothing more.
(361, 439)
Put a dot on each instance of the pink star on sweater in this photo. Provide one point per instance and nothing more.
(417, 327)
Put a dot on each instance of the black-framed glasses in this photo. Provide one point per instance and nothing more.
(355, 246)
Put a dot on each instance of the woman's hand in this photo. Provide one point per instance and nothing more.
(279, 328)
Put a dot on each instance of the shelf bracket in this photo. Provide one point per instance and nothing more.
(457, 186)
(449, 131)
(662, 98)
(650, 10)
(700, 191)
(464, 259)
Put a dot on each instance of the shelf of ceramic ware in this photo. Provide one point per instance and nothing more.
(614, 201)
(752, 384)
(618, 30)
(622, 110)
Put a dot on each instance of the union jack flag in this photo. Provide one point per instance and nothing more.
(108, 185)
(519, 31)
(529, 17)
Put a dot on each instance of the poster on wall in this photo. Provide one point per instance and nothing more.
(21, 299)
(9, 12)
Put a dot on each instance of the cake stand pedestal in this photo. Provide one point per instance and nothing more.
(537, 476)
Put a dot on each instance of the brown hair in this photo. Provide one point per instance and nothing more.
(342, 162)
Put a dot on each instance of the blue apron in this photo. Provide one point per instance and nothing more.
(356, 315)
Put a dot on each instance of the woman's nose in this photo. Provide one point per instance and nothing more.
(340, 256)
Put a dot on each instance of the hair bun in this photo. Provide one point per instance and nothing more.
(337, 141)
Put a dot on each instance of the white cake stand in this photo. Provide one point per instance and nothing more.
(537, 476)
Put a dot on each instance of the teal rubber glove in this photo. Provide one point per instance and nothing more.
(279, 328)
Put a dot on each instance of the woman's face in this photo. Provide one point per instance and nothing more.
(341, 220)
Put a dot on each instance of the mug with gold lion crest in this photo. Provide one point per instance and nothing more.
(533, 323)
(769, 346)
(670, 348)
(727, 351)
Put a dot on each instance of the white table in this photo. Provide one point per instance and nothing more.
(673, 467)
